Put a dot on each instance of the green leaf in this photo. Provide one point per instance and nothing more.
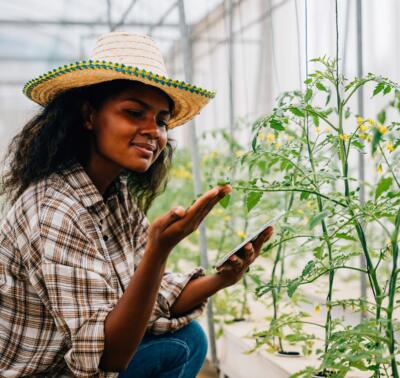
(276, 124)
(383, 185)
(357, 144)
(224, 202)
(224, 181)
(317, 218)
(375, 141)
(297, 112)
(293, 285)
(342, 235)
(321, 86)
(304, 195)
(254, 143)
(252, 199)
(328, 98)
(308, 81)
(315, 120)
(387, 89)
(308, 95)
(317, 252)
(378, 88)
(308, 268)
(382, 117)
(262, 290)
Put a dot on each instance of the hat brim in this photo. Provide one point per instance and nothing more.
(188, 99)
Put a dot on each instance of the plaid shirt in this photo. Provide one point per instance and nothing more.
(66, 257)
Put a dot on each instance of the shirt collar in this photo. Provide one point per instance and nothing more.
(76, 176)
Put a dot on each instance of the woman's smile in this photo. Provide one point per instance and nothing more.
(144, 149)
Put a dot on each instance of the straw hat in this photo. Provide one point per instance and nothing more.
(122, 55)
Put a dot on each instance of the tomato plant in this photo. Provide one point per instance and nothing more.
(314, 138)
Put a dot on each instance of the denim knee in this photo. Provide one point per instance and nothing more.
(197, 339)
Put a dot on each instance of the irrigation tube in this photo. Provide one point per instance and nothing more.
(188, 73)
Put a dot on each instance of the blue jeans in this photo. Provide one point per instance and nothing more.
(171, 355)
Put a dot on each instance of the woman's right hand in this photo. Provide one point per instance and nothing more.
(168, 230)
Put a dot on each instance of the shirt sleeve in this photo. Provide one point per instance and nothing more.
(79, 290)
(172, 285)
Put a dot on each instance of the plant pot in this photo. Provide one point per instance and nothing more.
(235, 320)
(288, 353)
(327, 374)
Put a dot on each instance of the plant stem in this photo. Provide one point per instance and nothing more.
(360, 232)
(389, 165)
(256, 189)
(328, 322)
(392, 293)
(275, 291)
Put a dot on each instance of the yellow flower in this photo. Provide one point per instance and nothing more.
(277, 146)
(371, 122)
(379, 169)
(389, 147)
(241, 234)
(261, 136)
(382, 129)
(318, 130)
(344, 137)
(239, 154)
(227, 218)
(181, 173)
(317, 309)
(214, 154)
(363, 136)
(360, 120)
(218, 211)
(290, 138)
(270, 137)
(363, 128)
(327, 130)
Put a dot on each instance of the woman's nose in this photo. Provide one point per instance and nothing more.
(151, 128)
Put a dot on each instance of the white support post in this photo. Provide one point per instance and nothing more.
(188, 73)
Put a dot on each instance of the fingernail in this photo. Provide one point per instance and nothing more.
(180, 211)
(214, 192)
(227, 189)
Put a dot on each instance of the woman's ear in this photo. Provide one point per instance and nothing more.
(88, 116)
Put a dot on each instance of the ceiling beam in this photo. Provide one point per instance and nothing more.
(88, 23)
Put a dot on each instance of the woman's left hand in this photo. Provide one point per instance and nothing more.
(232, 270)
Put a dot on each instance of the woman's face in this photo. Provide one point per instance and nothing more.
(130, 129)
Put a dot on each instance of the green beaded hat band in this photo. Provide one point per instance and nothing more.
(122, 55)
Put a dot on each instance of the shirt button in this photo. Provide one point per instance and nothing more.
(105, 238)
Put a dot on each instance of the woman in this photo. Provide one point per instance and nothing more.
(82, 274)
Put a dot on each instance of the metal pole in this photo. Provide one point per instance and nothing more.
(76, 23)
(188, 73)
(231, 68)
(162, 18)
(361, 163)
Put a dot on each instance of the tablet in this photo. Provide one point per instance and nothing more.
(252, 237)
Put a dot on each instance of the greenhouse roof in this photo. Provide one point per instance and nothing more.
(36, 35)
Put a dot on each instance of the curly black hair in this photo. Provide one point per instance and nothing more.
(55, 138)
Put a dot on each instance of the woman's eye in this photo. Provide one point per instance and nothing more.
(162, 123)
(135, 113)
